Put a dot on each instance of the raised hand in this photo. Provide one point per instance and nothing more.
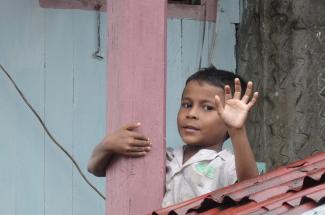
(234, 110)
(127, 142)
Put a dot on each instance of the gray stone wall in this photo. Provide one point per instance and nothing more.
(281, 47)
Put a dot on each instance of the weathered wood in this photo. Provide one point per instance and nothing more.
(59, 112)
(71, 99)
(74, 4)
(185, 40)
(49, 55)
(136, 92)
(205, 11)
(89, 105)
(22, 146)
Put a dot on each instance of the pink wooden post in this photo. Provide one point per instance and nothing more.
(136, 93)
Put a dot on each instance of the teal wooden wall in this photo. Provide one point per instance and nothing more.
(185, 38)
(48, 53)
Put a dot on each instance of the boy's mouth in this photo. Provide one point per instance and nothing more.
(190, 128)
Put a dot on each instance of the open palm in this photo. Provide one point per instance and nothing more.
(234, 110)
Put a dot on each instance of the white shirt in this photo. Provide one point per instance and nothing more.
(204, 172)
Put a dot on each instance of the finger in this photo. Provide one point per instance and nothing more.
(139, 149)
(131, 126)
(253, 101)
(248, 92)
(141, 143)
(135, 154)
(218, 104)
(137, 135)
(227, 92)
(237, 93)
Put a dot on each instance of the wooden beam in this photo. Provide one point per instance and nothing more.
(73, 4)
(136, 93)
(206, 11)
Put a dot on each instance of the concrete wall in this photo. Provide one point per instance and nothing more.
(282, 48)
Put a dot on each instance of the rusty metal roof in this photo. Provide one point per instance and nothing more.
(291, 189)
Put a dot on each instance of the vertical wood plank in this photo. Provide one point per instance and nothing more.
(192, 40)
(175, 80)
(89, 106)
(8, 146)
(38, 47)
(59, 111)
(224, 52)
(185, 41)
(21, 144)
(136, 92)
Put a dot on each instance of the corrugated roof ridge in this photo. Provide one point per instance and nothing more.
(315, 174)
(282, 209)
(291, 198)
(298, 170)
(300, 209)
(295, 185)
(292, 169)
(188, 203)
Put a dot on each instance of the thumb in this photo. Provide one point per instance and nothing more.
(218, 104)
(131, 126)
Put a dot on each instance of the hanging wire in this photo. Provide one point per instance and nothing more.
(203, 36)
(50, 135)
(96, 54)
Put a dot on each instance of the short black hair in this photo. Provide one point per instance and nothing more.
(218, 78)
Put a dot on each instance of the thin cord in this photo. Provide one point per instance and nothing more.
(50, 135)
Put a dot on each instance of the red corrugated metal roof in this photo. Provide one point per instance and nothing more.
(291, 189)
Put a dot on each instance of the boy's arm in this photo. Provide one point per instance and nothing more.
(99, 160)
(124, 142)
(244, 158)
(234, 112)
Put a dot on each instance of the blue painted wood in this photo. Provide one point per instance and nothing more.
(89, 107)
(175, 80)
(48, 53)
(218, 49)
(224, 49)
(59, 75)
(7, 147)
(21, 187)
(186, 44)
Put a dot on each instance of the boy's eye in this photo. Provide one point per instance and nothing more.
(186, 105)
(208, 107)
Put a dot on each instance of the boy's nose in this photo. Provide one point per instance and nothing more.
(192, 114)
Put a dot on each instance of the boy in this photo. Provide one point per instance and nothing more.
(208, 115)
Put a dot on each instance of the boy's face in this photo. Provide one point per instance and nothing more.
(198, 121)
